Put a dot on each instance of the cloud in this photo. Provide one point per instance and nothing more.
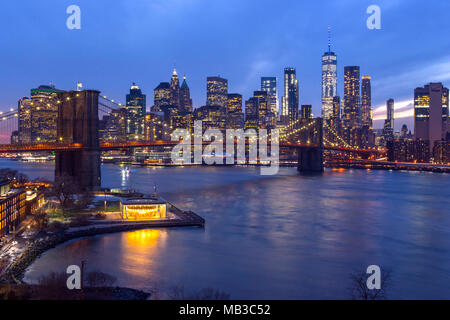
(438, 71)
(402, 109)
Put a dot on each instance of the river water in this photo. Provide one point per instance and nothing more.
(288, 236)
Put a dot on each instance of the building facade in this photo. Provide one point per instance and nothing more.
(12, 207)
(38, 115)
(431, 113)
(216, 91)
(366, 102)
(329, 83)
(134, 112)
(269, 85)
(185, 97)
(290, 101)
(352, 110)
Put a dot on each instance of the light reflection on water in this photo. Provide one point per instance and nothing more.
(287, 236)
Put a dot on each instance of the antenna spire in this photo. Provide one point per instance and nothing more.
(329, 38)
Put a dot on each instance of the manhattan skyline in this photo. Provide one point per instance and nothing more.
(141, 42)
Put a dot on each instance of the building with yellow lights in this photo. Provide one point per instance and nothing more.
(12, 207)
(140, 209)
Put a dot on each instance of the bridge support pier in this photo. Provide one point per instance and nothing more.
(78, 124)
(81, 167)
(310, 160)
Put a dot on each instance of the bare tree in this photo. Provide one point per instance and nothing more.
(10, 174)
(360, 291)
(39, 220)
(178, 293)
(99, 279)
(65, 190)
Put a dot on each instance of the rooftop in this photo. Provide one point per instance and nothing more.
(141, 201)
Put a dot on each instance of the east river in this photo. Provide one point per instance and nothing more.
(288, 236)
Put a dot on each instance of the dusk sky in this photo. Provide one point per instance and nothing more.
(121, 42)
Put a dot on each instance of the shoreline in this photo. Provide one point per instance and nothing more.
(15, 272)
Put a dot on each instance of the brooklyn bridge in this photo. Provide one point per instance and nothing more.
(79, 146)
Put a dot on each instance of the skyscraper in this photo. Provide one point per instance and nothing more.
(352, 110)
(329, 81)
(251, 113)
(269, 84)
(263, 108)
(38, 115)
(366, 102)
(162, 96)
(24, 126)
(388, 130)
(135, 111)
(216, 91)
(336, 108)
(234, 102)
(431, 113)
(175, 89)
(306, 111)
(289, 109)
(235, 117)
(185, 97)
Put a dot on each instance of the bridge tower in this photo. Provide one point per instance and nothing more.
(78, 123)
(310, 159)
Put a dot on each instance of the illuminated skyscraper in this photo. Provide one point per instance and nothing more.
(25, 109)
(216, 91)
(336, 108)
(162, 96)
(251, 113)
(366, 102)
(175, 89)
(235, 117)
(269, 84)
(431, 113)
(289, 108)
(185, 97)
(38, 115)
(352, 109)
(329, 81)
(263, 108)
(135, 111)
(306, 111)
(388, 130)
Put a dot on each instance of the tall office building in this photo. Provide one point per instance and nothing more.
(336, 108)
(388, 130)
(24, 126)
(234, 102)
(269, 84)
(162, 96)
(235, 117)
(216, 91)
(251, 113)
(431, 113)
(289, 108)
(306, 111)
(352, 109)
(135, 111)
(329, 81)
(175, 89)
(264, 112)
(185, 97)
(366, 102)
(38, 115)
